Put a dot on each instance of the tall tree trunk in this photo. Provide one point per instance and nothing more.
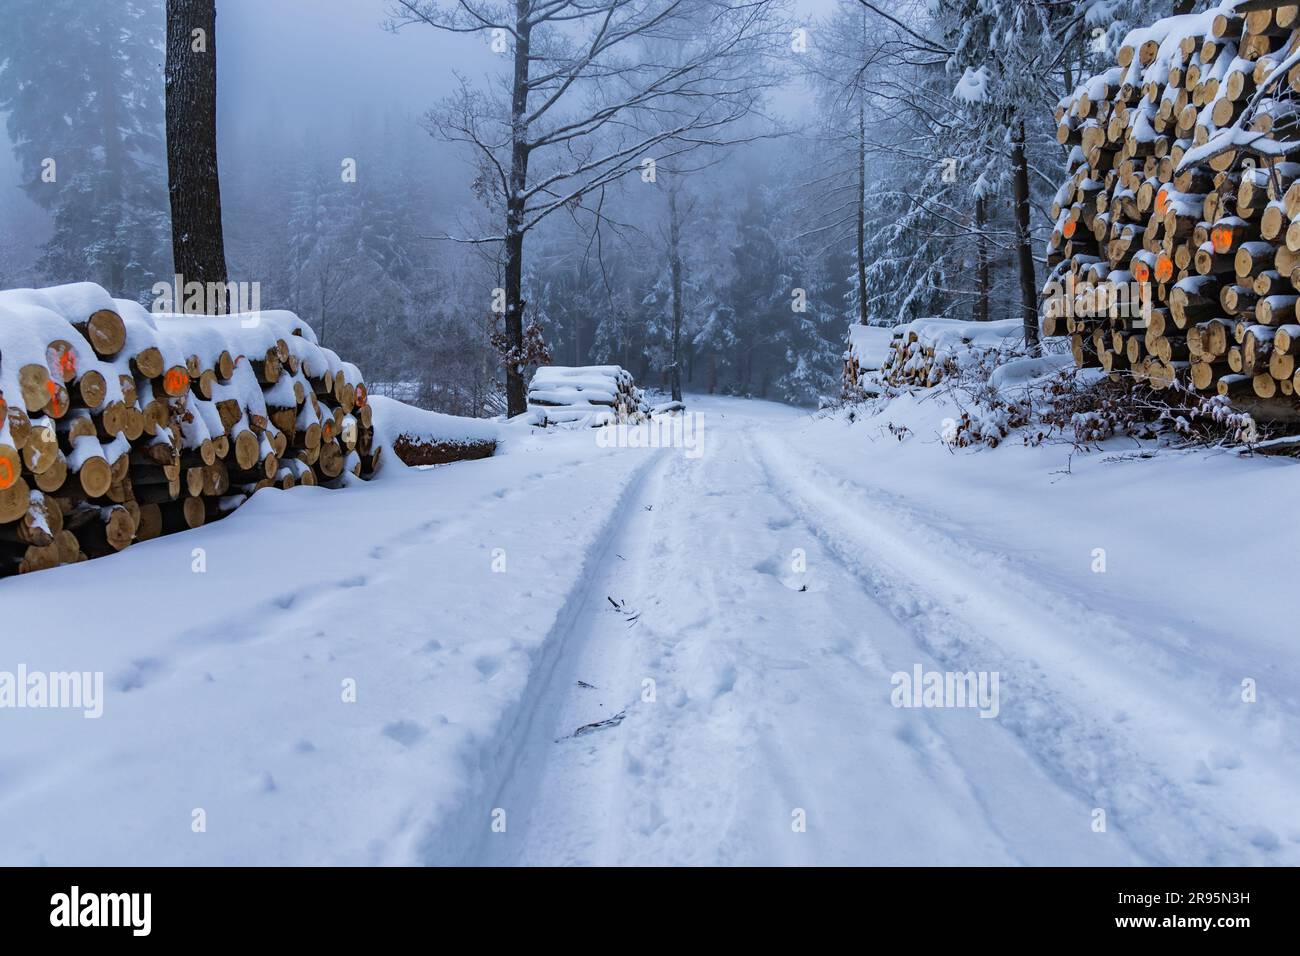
(198, 247)
(862, 212)
(577, 317)
(1024, 253)
(516, 396)
(114, 196)
(982, 266)
(675, 266)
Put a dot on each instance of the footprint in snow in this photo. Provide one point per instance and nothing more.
(140, 673)
(1223, 759)
(1262, 837)
(726, 682)
(801, 582)
(405, 732)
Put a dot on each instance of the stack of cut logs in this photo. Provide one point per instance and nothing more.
(924, 352)
(118, 426)
(911, 361)
(575, 393)
(1176, 248)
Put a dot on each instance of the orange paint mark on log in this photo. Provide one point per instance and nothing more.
(1221, 236)
(68, 364)
(1164, 268)
(176, 381)
(55, 404)
(1162, 202)
(361, 396)
(1068, 229)
(7, 475)
(1141, 271)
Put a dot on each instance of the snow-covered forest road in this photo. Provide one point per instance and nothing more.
(575, 654)
(771, 697)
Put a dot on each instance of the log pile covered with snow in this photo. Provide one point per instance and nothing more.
(866, 351)
(418, 437)
(119, 425)
(593, 393)
(1175, 254)
(925, 351)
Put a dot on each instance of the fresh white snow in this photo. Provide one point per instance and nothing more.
(722, 627)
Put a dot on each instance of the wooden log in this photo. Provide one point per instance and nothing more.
(15, 500)
(105, 332)
(35, 385)
(111, 531)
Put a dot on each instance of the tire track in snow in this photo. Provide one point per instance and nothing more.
(516, 756)
(1090, 754)
(771, 699)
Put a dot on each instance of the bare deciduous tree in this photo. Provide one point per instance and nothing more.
(587, 98)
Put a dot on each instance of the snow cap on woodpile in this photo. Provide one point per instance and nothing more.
(924, 351)
(578, 393)
(414, 436)
(869, 345)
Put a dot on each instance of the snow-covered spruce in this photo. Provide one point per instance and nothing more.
(1176, 248)
(118, 425)
(591, 394)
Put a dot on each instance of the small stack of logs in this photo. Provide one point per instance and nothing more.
(119, 426)
(912, 362)
(1176, 249)
(923, 352)
(576, 393)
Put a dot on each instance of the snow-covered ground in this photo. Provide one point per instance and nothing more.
(575, 653)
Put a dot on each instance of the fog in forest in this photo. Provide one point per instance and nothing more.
(856, 184)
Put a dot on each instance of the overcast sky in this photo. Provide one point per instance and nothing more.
(334, 56)
(317, 62)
